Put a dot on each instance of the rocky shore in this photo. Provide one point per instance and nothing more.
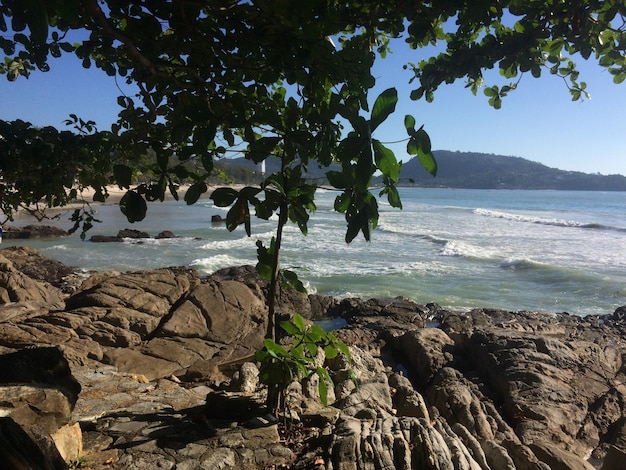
(152, 369)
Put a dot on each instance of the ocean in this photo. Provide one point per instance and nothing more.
(553, 251)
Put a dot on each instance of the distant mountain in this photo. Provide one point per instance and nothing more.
(459, 170)
(488, 171)
(245, 171)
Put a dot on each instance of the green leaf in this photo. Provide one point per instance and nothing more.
(224, 197)
(409, 124)
(123, 175)
(384, 105)
(343, 348)
(337, 179)
(331, 352)
(428, 162)
(260, 149)
(289, 328)
(291, 279)
(207, 162)
(342, 202)
(386, 161)
(299, 322)
(239, 214)
(194, 192)
(133, 206)
(394, 197)
(324, 378)
(274, 349)
(423, 141)
(38, 24)
(491, 91)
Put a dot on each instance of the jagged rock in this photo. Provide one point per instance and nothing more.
(557, 458)
(453, 396)
(226, 312)
(246, 379)
(20, 282)
(32, 264)
(132, 233)
(23, 448)
(37, 388)
(69, 442)
(150, 292)
(105, 239)
(289, 301)
(427, 351)
(45, 366)
(495, 382)
(33, 231)
(406, 400)
(165, 234)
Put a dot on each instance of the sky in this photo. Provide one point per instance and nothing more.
(538, 121)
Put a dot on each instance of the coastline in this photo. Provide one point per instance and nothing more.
(114, 196)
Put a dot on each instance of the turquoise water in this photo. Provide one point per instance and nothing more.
(517, 250)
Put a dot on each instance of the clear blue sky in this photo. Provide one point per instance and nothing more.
(538, 121)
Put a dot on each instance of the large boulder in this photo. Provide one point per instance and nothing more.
(31, 263)
(24, 285)
(25, 448)
(37, 395)
(37, 387)
(33, 231)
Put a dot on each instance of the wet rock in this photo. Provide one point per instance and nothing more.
(132, 233)
(165, 234)
(32, 231)
(105, 239)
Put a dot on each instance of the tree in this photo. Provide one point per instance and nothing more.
(271, 77)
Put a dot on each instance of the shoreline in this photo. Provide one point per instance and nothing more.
(115, 194)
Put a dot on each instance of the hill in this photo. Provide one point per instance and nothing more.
(489, 171)
(469, 170)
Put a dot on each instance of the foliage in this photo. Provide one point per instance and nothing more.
(280, 366)
(274, 78)
(80, 462)
(282, 78)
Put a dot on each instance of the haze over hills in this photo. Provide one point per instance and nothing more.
(469, 170)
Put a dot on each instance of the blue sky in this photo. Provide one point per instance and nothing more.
(538, 121)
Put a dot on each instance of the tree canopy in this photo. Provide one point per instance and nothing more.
(270, 77)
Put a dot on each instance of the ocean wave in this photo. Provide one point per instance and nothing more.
(237, 242)
(514, 264)
(552, 274)
(528, 218)
(157, 241)
(543, 221)
(465, 250)
(213, 263)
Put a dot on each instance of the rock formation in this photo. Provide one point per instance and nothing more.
(162, 358)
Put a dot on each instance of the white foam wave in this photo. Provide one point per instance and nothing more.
(244, 242)
(60, 248)
(520, 263)
(465, 250)
(157, 241)
(528, 218)
(213, 263)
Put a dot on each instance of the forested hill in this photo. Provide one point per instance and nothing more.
(459, 170)
(488, 171)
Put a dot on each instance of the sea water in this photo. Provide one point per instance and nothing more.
(516, 250)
